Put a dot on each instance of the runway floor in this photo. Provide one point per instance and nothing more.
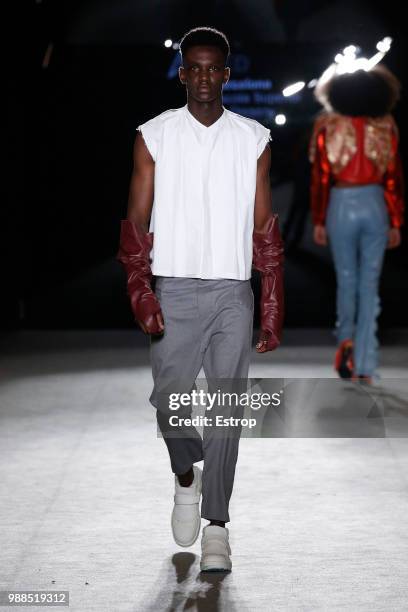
(317, 523)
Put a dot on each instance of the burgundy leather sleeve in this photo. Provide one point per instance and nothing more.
(268, 259)
(134, 254)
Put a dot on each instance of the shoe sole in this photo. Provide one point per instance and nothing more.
(215, 564)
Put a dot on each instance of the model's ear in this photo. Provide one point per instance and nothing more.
(182, 75)
(227, 74)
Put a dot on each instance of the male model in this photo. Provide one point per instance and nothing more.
(201, 180)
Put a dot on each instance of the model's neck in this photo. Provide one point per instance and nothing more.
(206, 112)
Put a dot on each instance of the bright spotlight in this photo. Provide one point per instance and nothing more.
(384, 45)
(350, 50)
(168, 42)
(280, 119)
(292, 89)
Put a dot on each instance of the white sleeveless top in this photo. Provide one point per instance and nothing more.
(204, 193)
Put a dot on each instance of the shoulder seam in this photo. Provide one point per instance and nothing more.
(249, 119)
(169, 110)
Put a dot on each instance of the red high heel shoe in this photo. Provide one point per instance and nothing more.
(343, 360)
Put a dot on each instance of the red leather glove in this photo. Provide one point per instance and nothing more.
(134, 255)
(268, 259)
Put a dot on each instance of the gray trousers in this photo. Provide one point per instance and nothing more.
(208, 323)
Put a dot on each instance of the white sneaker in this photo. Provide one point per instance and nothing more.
(215, 549)
(185, 518)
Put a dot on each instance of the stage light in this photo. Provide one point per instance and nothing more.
(168, 42)
(344, 62)
(292, 89)
(175, 46)
(347, 62)
(384, 45)
(350, 51)
(373, 61)
(280, 119)
(352, 64)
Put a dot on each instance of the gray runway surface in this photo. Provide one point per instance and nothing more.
(86, 491)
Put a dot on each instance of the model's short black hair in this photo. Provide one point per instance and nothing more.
(373, 93)
(206, 37)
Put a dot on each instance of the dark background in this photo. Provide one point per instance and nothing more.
(71, 123)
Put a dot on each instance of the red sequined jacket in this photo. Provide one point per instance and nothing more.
(360, 150)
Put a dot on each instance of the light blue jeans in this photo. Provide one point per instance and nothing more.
(357, 226)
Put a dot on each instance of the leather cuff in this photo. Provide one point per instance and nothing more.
(268, 259)
(134, 255)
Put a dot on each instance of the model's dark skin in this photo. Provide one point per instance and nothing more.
(203, 73)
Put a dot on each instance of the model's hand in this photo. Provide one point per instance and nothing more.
(266, 342)
(153, 324)
(320, 235)
(394, 238)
